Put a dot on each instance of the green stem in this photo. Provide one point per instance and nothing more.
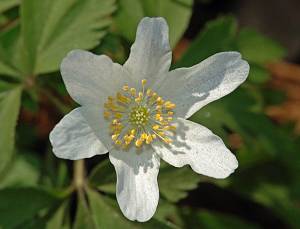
(79, 174)
(59, 105)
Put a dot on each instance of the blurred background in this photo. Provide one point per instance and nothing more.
(260, 121)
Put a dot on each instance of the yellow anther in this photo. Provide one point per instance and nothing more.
(158, 99)
(122, 98)
(138, 143)
(133, 131)
(167, 140)
(115, 121)
(106, 114)
(118, 142)
(169, 128)
(170, 113)
(170, 106)
(148, 115)
(133, 91)
(158, 107)
(158, 117)
(144, 82)
(138, 99)
(118, 115)
(128, 139)
(144, 136)
(125, 88)
(149, 139)
(169, 119)
(162, 134)
(114, 137)
(149, 92)
(155, 127)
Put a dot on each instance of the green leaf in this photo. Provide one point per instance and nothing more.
(5, 86)
(177, 13)
(174, 183)
(261, 139)
(104, 214)
(129, 13)
(57, 27)
(20, 204)
(103, 177)
(211, 220)
(278, 198)
(9, 111)
(22, 172)
(258, 74)
(57, 220)
(217, 36)
(83, 217)
(258, 48)
(10, 58)
(7, 4)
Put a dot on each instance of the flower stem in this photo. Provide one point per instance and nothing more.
(79, 174)
(64, 109)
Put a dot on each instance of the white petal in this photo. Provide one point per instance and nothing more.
(150, 55)
(137, 188)
(100, 126)
(90, 78)
(198, 147)
(192, 88)
(73, 139)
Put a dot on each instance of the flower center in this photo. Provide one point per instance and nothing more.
(139, 117)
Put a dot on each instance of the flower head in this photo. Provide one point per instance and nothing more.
(138, 112)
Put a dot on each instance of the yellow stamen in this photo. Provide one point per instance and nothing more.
(106, 114)
(138, 143)
(133, 131)
(144, 82)
(155, 127)
(145, 116)
(170, 113)
(118, 115)
(149, 139)
(144, 136)
(133, 91)
(114, 137)
(125, 88)
(115, 121)
(149, 92)
(118, 142)
(167, 140)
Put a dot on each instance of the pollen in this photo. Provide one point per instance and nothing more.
(139, 116)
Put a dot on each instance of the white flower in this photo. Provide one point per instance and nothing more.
(138, 113)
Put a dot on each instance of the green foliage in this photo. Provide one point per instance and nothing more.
(176, 13)
(10, 59)
(211, 220)
(17, 205)
(34, 37)
(208, 42)
(22, 171)
(9, 110)
(8, 4)
(175, 183)
(57, 27)
(257, 48)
